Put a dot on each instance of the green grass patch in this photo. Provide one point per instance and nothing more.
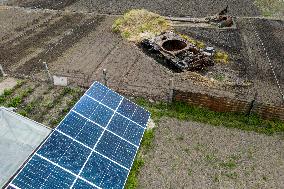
(183, 111)
(146, 145)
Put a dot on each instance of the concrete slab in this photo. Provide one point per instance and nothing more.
(7, 83)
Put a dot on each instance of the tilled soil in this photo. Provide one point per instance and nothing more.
(11, 25)
(265, 53)
(44, 42)
(44, 4)
(193, 155)
(194, 8)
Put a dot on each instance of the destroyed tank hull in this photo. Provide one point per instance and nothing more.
(176, 53)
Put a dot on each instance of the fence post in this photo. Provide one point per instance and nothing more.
(252, 104)
(47, 71)
(105, 77)
(2, 71)
(171, 92)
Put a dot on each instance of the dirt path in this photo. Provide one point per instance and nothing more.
(192, 155)
(7, 83)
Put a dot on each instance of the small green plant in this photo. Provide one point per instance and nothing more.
(15, 101)
(180, 138)
(198, 147)
(189, 172)
(221, 57)
(8, 92)
(231, 164)
(187, 151)
(23, 113)
(232, 175)
(211, 158)
(219, 77)
(264, 178)
(216, 178)
(147, 141)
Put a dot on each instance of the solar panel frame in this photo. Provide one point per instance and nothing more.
(113, 104)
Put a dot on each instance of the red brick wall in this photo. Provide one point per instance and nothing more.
(269, 112)
(224, 104)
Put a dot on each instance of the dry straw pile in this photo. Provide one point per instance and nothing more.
(139, 24)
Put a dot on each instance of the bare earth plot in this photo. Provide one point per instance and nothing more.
(195, 8)
(193, 155)
(250, 58)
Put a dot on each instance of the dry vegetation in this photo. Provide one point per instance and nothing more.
(197, 43)
(137, 25)
(221, 57)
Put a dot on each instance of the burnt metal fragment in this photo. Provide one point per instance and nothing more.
(222, 19)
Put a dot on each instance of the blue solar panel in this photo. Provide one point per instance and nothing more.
(10, 187)
(79, 184)
(116, 149)
(94, 146)
(104, 173)
(126, 129)
(39, 173)
(127, 108)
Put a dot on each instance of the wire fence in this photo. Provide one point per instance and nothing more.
(269, 60)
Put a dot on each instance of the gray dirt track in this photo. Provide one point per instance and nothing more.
(195, 156)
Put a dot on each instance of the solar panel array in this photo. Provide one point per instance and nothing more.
(94, 146)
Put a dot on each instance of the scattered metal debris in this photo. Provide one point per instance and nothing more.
(222, 19)
(178, 52)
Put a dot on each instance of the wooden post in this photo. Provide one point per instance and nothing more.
(105, 77)
(47, 71)
(2, 71)
(171, 92)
